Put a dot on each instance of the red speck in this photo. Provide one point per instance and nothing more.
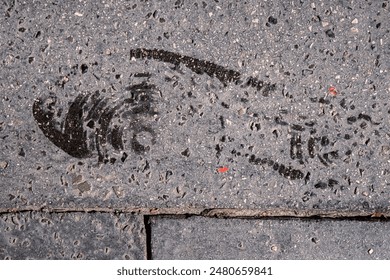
(332, 91)
(223, 169)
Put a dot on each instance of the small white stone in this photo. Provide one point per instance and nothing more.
(78, 14)
(325, 24)
(3, 164)
(354, 30)
(370, 251)
(355, 21)
(241, 111)
(256, 20)
(313, 5)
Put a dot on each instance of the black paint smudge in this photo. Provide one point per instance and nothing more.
(286, 171)
(73, 139)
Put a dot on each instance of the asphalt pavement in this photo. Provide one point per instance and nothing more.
(194, 129)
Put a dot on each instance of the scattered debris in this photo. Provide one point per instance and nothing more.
(332, 91)
(223, 169)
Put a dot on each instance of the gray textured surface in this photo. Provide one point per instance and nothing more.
(123, 104)
(32, 235)
(192, 123)
(208, 238)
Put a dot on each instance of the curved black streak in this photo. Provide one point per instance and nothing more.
(73, 140)
(196, 65)
(200, 67)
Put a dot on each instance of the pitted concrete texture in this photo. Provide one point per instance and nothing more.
(210, 238)
(34, 235)
(195, 104)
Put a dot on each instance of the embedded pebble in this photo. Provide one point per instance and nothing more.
(3, 164)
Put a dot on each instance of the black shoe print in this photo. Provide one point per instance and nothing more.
(94, 123)
(97, 114)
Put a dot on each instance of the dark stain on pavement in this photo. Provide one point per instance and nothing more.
(89, 125)
(93, 122)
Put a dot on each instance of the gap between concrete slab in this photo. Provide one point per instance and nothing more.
(180, 213)
(218, 212)
(148, 237)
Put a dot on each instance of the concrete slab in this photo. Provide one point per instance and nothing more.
(247, 105)
(211, 238)
(66, 236)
